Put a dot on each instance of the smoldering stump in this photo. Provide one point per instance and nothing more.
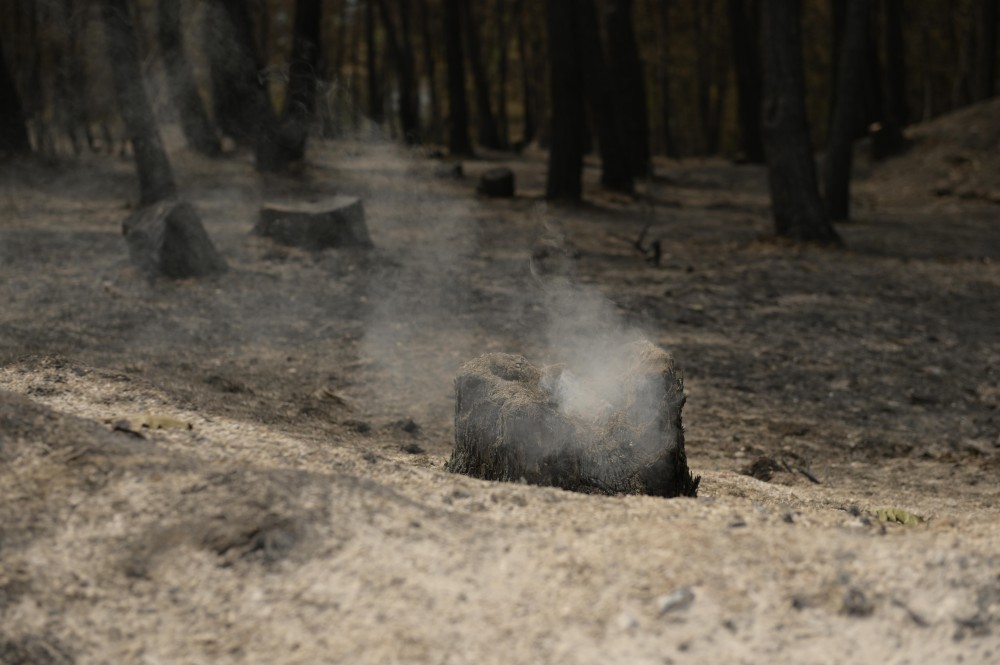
(514, 421)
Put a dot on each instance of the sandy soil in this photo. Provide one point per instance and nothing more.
(305, 517)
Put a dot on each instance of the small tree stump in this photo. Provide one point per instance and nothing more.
(498, 182)
(167, 239)
(333, 222)
(513, 423)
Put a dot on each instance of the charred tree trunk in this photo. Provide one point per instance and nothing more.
(627, 70)
(401, 48)
(663, 80)
(744, 33)
(527, 78)
(616, 173)
(895, 64)
(850, 94)
(430, 69)
(986, 50)
(458, 109)
(300, 98)
(195, 123)
(486, 124)
(564, 181)
(156, 179)
(375, 104)
(503, 133)
(797, 208)
(13, 127)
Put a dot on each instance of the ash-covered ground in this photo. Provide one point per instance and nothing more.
(306, 516)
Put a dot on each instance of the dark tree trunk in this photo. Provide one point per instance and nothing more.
(663, 81)
(564, 182)
(711, 86)
(895, 64)
(156, 180)
(986, 50)
(300, 98)
(527, 78)
(458, 109)
(430, 69)
(195, 123)
(239, 98)
(401, 47)
(797, 207)
(13, 127)
(744, 32)
(627, 70)
(503, 133)
(853, 73)
(486, 124)
(375, 105)
(616, 173)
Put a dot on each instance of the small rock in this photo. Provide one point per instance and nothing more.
(413, 449)
(676, 600)
(856, 604)
(449, 172)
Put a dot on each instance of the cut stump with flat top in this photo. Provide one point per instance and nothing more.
(497, 182)
(167, 239)
(337, 221)
(514, 422)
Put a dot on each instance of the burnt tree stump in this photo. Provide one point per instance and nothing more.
(333, 222)
(512, 424)
(497, 182)
(167, 239)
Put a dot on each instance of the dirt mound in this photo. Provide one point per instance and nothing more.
(956, 155)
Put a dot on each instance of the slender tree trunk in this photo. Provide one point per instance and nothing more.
(664, 81)
(156, 179)
(375, 104)
(430, 69)
(616, 172)
(195, 123)
(13, 127)
(503, 133)
(458, 109)
(527, 78)
(850, 93)
(300, 98)
(401, 48)
(986, 50)
(797, 207)
(627, 70)
(744, 33)
(486, 124)
(895, 63)
(564, 182)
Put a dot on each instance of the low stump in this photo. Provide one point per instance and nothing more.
(333, 222)
(497, 182)
(167, 239)
(516, 422)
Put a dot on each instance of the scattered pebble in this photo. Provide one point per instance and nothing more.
(676, 600)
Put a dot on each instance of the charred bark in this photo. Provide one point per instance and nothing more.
(664, 83)
(565, 169)
(430, 70)
(986, 50)
(853, 72)
(300, 98)
(459, 142)
(13, 126)
(796, 205)
(156, 179)
(376, 106)
(744, 33)
(628, 73)
(616, 173)
(895, 64)
(401, 48)
(529, 98)
(195, 123)
(503, 133)
(486, 124)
